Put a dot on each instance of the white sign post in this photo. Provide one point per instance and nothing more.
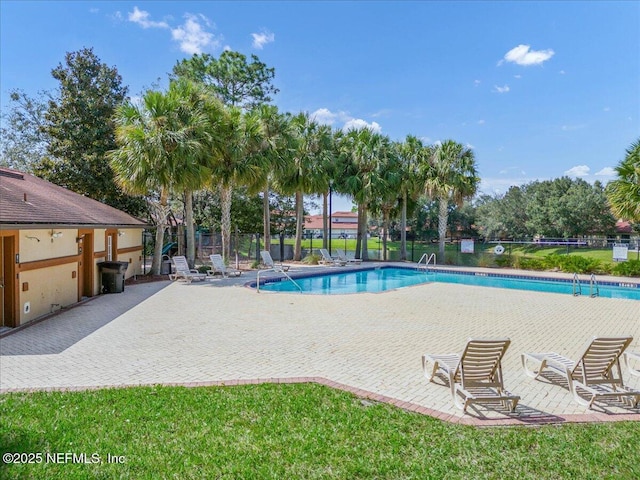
(466, 246)
(620, 251)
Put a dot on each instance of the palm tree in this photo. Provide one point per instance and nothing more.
(276, 139)
(159, 144)
(413, 157)
(191, 173)
(451, 177)
(234, 161)
(360, 152)
(388, 183)
(624, 192)
(306, 167)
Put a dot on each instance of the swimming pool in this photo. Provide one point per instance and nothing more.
(381, 279)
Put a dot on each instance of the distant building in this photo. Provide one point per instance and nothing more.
(50, 242)
(343, 225)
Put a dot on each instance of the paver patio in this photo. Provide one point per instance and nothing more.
(221, 332)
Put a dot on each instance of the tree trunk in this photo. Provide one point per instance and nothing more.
(363, 229)
(159, 212)
(325, 224)
(385, 226)
(443, 216)
(403, 228)
(266, 213)
(297, 253)
(358, 253)
(191, 234)
(225, 223)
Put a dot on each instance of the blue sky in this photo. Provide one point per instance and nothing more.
(538, 89)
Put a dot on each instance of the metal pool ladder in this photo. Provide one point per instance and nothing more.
(427, 260)
(577, 288)
(594, 289)
(276, 270)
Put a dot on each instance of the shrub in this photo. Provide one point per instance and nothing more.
(574, 263)
(484, 261)
(526, 263)
(503, 261)
(311, 259)
(630, 268)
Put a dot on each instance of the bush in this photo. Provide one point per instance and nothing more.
(630, 268)
(526, 263)
(312, 259)
(503, 261)
(574, 263)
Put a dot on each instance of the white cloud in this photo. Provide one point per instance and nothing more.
(562, 72)
(517, 76)
(477, 82)
(327, 117)
(606, 172)
(498, 89)
(578, 171)
(359, 124)
(480, 122)
(523, 55)
(141, 17)
(191, 35)
(261, 39)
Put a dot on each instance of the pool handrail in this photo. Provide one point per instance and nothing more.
(276, 270)
(577, 288)
(593, 284)
(427, 258)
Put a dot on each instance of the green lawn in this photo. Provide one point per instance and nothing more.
(289, 432)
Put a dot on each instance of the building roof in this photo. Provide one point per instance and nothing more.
(29, 200)
(338, 221)
(623, 226)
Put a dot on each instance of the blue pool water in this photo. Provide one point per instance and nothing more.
(391, 278)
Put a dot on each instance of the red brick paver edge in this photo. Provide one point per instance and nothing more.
(516, 419)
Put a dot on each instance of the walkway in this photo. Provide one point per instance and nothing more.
(220, 332)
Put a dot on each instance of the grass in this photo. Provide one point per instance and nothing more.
(290, 431)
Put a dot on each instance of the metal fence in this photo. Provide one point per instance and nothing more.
(245, 248)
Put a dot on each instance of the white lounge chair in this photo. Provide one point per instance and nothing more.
(327, 259)
(628, 356)
(184, 272)
(343, 257)
(475, 374)
(219, 267)
(267, 259)
(596, 372)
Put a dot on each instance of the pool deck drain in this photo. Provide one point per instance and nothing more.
(217, 333)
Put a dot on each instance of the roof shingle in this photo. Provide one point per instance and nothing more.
(26, 199)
